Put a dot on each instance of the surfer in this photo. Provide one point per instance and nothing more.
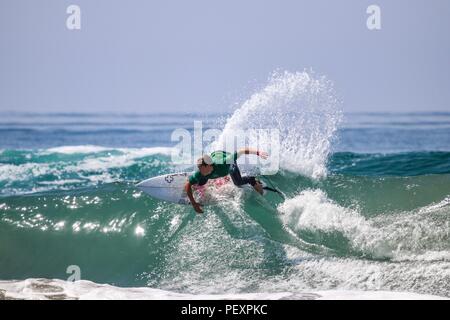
(218, 165)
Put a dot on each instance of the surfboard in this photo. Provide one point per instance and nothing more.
(170, 188)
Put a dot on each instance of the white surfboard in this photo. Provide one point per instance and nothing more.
(170, 187)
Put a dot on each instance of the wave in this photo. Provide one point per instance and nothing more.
(238, 247)
(350, 221)
(411, 235)
(27, 171)
(344, 231)
(394, 164)
(320, 237)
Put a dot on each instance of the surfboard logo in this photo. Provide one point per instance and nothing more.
(169, 179)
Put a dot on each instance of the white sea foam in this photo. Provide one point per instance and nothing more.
(62, 182)
(76, 149)
(45, 289)
(143, 152)
(10, 172)
(84, 149)
(90, 169)
(312, 210)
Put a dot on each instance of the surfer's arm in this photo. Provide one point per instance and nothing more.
(257, 152)
(188, 189)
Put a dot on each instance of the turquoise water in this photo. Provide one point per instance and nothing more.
(76, 206)
(367, 207)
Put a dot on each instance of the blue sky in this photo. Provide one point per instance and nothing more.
(203, 55)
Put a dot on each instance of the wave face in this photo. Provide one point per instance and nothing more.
(347, 231)
(367, 203)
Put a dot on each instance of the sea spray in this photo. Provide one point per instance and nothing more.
(304, 109)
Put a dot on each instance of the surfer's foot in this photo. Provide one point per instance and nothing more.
(258, 187)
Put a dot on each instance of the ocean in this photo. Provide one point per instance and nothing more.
(367, 206)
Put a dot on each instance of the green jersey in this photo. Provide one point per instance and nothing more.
(221, 162)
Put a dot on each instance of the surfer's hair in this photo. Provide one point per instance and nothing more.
(205, 160)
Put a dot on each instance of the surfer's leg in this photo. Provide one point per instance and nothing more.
(239, 180)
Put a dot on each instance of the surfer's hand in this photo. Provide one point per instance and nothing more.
(263, 154)
(197, 208)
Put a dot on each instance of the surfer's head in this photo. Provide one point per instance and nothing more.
(204, 165)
